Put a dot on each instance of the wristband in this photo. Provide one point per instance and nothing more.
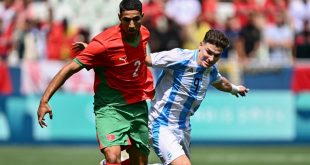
(234, 89)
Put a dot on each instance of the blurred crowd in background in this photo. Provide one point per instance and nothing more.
(264, 34)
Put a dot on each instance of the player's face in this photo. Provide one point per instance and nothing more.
(208, 55)
(131, 21)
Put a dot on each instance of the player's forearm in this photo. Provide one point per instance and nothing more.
(59, 79)
(224, 85)
(148, 60)
(54, 85)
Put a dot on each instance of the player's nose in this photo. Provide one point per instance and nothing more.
(210, 58)
(131, 24)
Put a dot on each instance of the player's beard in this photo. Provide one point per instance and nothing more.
(132, 31)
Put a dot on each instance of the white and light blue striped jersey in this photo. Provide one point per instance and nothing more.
(180, 87)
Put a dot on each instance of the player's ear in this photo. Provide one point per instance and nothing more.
(200, 45)
(142, 15)
(119, 16)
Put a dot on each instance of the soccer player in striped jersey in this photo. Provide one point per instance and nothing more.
(180, 90)
(122, 84)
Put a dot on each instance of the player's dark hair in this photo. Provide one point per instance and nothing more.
(216, 38)
(130, 5)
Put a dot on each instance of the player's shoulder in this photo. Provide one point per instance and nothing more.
(144, 30)
(108, 34)
(176, 52)
(145, 33)
(183, 53)
(213, 69)
(179, 54)
(215, 66)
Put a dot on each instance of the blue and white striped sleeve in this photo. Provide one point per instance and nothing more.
(166, 59)
(215, 75)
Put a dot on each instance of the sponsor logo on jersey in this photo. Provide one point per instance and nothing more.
(118, 60)
(124, 59)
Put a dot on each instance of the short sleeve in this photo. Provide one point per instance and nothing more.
(167, 59)
(215, 75)
(90, 56)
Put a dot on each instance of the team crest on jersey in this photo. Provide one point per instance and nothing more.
(110, 137)
(190, 70)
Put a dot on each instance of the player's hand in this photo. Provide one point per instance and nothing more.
(241, 91)
(43, 109)
(77, 47)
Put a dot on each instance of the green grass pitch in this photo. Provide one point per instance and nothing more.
(204, 155)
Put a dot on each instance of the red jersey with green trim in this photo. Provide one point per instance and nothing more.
(121, 76)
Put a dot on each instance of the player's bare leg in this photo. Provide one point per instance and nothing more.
(182, 160)
(136, 157)
(112, 154)
(124, 159)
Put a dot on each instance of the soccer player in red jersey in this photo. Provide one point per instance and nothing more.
(122, 84)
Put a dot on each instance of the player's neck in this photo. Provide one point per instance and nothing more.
(133, 40)
(132, 37)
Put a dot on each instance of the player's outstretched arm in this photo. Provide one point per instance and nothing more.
(148, 60)
(67, 71)
(226, 86)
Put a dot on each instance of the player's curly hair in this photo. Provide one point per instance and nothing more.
(216, 38)
(130, 5)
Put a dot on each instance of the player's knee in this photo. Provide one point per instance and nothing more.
(112, 158)
(112, 155)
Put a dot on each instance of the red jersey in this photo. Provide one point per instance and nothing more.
(121, 76)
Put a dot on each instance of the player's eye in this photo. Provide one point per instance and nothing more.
(134, 19)
(212, 53)
(125, 19)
